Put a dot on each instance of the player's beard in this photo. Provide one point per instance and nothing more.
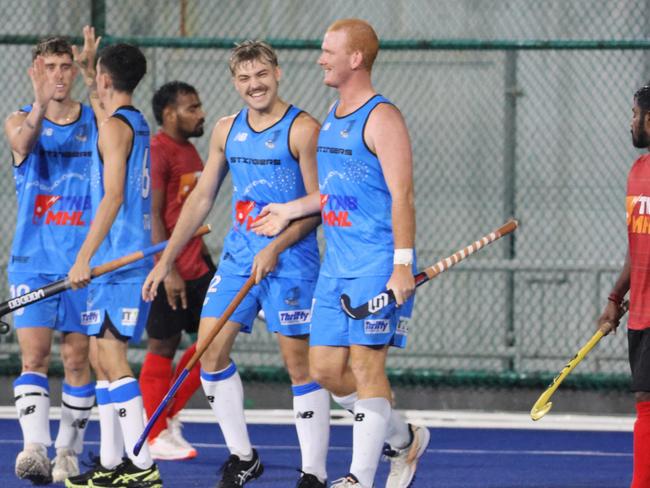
(640, 136)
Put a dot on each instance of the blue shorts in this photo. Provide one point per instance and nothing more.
(330, 326)
(123, 304)
(286, 302)
(60, 312)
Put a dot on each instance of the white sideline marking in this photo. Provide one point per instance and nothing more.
(476, 452)
(456, 419)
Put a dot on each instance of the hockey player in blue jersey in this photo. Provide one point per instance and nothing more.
(115, 313)
(51, 144)
(365, 176)
(270, 149)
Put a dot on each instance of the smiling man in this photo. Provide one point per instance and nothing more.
(270, 148)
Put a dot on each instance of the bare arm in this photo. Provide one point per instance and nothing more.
(195, 209)
(386, 134)
(115, 139)
(23, 129)
(611, 316)
(303, 141)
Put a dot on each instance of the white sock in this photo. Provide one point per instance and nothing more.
(127, 402)
(76, 404)
(32, 399)
(225, 393)
(111, 446)
(311, 408)
(399, 434)
(371, 417)
(347, 401)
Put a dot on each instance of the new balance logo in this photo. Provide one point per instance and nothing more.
(27, 411)
(210, 398)
(122, 412)
(305, 415)
(79, 423)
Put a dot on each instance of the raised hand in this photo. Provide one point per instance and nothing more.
(85, 59)
(44, 88)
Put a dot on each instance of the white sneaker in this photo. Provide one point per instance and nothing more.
(33, 464)
(404, 462)
(175, 427)
(348, 481)
(163, 447)
(64, 465)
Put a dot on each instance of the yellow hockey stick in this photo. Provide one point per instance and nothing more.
(543, 405)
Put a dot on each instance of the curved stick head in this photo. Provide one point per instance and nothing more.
(346, 305)
(537, 413)
(4, 327)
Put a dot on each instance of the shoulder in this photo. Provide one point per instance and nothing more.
(385, 111)
(222, 128)
(304, 123)
(116, 128)
(15, 118)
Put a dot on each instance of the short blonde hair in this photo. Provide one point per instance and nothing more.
(361, 37)
(250, 51)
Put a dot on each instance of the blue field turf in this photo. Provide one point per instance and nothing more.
(467, 458)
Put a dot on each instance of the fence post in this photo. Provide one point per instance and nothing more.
(98, 16)
(512, 92)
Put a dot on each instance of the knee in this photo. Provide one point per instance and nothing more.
(325, 377)
(36, 362)
(642, 396)
(215, 358)
(163, 347)
(298, 372)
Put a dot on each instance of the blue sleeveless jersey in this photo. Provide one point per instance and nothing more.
(264, 171)
(131, 230)
(53, 193)
(355, 201)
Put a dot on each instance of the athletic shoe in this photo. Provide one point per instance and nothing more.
(64, 465)
(175, 427)
(96, 472)
(349, 481)
(404, 462)
(128, 475)
(236, 473)
(164, 447)
(33, 464)
(307, 480)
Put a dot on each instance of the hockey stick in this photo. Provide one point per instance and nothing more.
(62, 285)
(386, 297)
(542, 406)
(200, 349)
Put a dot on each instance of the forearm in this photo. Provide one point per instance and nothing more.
(622, 285)
(102, 222)
(307, 205)
(28, 132)
(93, 96)
(158, 230)
(193, 213)
(297, 230)
(403, 221)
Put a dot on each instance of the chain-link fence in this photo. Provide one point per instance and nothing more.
(514, 108)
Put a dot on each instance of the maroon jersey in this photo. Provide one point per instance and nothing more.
(175, 169)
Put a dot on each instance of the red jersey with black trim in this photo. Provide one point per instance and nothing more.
(175, 170)
(637, 207)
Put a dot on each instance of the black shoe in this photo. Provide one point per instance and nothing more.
(128, 475)
(307, 480)
(95, 473)
(236, 473)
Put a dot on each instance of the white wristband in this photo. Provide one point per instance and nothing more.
(403, 256)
